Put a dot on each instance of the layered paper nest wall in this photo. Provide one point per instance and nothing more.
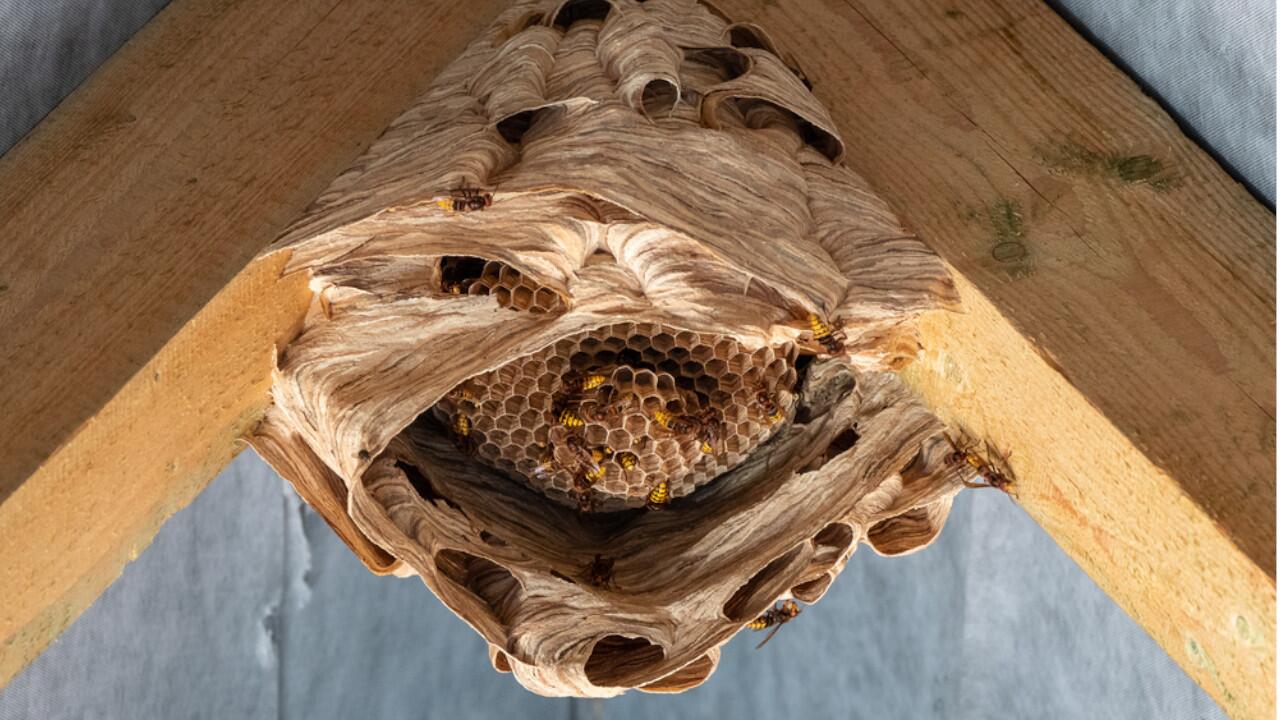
(647, 194)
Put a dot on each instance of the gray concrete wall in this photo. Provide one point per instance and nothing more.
(246, 605)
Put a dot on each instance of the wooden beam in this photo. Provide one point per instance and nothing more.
(1119, 288)
(1118, 337)
(137, 336)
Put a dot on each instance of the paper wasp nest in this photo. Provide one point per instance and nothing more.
(600, 347)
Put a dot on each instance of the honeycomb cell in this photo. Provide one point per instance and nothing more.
(618, 439)
(597, 435)
(636, 424)
(706, 384)
(521, 297)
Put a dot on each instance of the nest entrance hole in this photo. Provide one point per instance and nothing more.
(494, 589)
(762, 589)
(620, 661)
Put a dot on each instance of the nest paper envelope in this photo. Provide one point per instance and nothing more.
(648, 195)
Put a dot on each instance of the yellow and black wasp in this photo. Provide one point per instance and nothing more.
(993, 470)
(775, 617)
(829, 335)
(466, 200)
(659, 496)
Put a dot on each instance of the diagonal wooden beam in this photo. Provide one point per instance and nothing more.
(1119, 288)
(137, 336)
(1118, 336)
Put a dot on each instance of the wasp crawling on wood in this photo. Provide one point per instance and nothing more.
(993, 469)
(600, 572)
(829, 336)
(659, 496)
(775, 617)
(466, 200)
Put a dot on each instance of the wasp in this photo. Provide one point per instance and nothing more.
(460, 430)
(546, 465)
(829, 336)
(603, 453)
(659, 496)
(575, 382)
(466, 200)
(590, 469)
(765, 402)
(462, 392)
(709, 426)
(995, 473)
(775, 617)
(627, 461)
(609, 405)
(600, 572)
(678, 424)
(567, 417)
(584, 500)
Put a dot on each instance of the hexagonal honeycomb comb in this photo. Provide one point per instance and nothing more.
(511, 288)
(615, 411)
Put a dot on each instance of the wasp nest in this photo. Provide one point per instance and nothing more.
(600, 347)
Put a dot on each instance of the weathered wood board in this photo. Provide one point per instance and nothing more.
(137, 336)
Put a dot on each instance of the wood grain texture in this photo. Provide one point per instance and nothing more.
(135, 204)
(1119, 337)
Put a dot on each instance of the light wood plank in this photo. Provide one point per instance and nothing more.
(136, 343)
(1119, 287)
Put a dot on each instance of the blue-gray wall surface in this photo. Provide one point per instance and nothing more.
(247, 606)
